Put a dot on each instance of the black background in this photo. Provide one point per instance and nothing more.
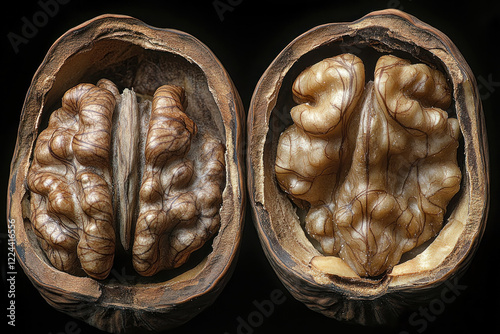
(246, 41)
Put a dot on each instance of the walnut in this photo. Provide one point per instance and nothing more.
(377, 172)
(138, 173)
(71, 181)
(367, 166)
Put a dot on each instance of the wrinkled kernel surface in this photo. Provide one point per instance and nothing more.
(70, 183)
(374, 164)
(179, 197)
(84, 181)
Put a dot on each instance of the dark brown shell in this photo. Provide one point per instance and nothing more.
(337, 293)
(133, 55)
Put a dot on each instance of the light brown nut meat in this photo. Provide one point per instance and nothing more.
(328, 92)
(377, 183)
(86, 184)
(180, 193)
(70, 183)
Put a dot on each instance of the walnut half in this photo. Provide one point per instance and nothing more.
(127, 193)
(368, 166)
(375, 166)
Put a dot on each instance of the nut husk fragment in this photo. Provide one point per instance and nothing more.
(326, 283)
(138, 59)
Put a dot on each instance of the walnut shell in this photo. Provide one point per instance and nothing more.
(310, 127)
(196, 123)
